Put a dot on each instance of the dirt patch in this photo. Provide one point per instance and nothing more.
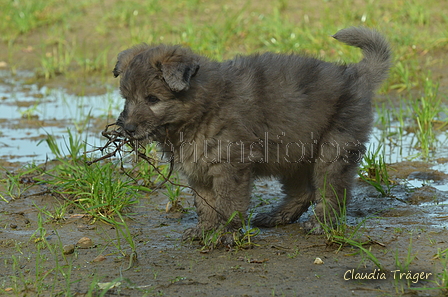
(404, 233)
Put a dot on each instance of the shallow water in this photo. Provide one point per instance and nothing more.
(29, 113)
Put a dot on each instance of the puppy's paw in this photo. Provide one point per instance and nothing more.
(192, 234)
(227, 239)
(268, 220)
(263, 220)
(219, 237)
(272, 219)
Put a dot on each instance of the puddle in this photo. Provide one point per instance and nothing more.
(29, 114)
(403, 148)
(418, 183)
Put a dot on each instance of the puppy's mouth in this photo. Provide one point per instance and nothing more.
(146, 136)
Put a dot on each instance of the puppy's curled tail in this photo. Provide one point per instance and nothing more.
(376, 51)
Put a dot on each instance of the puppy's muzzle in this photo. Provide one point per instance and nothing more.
(130, 129)
(127, 129)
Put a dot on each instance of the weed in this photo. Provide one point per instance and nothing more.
(294, 254)
(336, 230)
(442, 276)
(75, 147)
(17, 184)
(242, 238)
(402, 73)
(122, 229)
(374, 171)
(31, 111)
(173, 194)
(426, 110)
(58, 213)
(95, 188)
(57, 59)
(334, 221)
(403, 266)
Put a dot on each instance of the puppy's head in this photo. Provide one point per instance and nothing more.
(155, 82)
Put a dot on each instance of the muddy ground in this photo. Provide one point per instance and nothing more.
(410, 226)
(404, 231)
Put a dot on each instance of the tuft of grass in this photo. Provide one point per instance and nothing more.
(426, 111)
(75, 147)
(20, 182)
(242, 238)
(97, 188)
(58, 58)
(337, 231)
(442, 276)
(404, 266)
(173, 194)
(122, 229)
(374, 171)
(57, 214)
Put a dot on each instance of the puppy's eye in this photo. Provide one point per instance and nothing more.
(152, 99)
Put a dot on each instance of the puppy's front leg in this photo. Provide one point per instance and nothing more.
(229, 192)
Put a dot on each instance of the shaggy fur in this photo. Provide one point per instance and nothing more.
(297, 118)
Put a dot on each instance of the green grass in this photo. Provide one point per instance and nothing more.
(218, 30)
(442, 277)
(97, 188)
(404, 265)
(338, 232)
(426, 111)
(242, 238)
(413, 122)
(374, 171)
(17, 183)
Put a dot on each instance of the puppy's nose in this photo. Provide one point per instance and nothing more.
(130, 128)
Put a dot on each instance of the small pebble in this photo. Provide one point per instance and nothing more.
(68, 249)
(13, 226)
(99, 258)
(85, 227)
(318, 261)
(85, 243)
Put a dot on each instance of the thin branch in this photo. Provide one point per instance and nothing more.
(118, 140)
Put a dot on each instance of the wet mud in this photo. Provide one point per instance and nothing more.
(412, 222)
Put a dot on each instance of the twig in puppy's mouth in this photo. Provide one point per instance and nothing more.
(117, 141)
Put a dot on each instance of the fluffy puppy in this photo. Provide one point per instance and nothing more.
(297, 118)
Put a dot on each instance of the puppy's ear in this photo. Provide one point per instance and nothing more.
(126, 56)
(177, 72)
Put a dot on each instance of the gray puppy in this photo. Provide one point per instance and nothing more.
(299, 119)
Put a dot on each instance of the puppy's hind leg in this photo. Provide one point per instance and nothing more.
(333, 179)
(299, 196)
